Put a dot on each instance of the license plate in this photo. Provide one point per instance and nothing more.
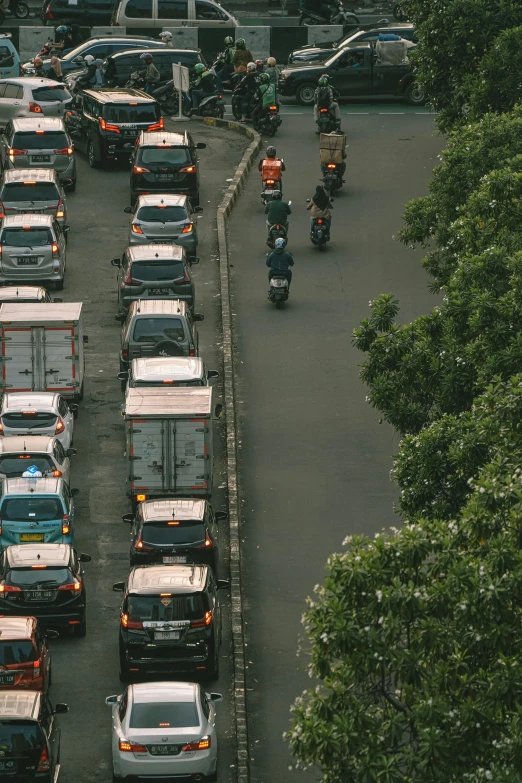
(157, 291)
(31, 537)
(163, 176)
(132, 133)
(7, 766)
(7, 679)
(41, 158)
(38, 595)
(167, 634)
(164, 750)
(27, 261)
(175, 559)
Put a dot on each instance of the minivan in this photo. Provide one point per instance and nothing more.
(171, 13)
(119, 66)
(39, 142)
(35, 191)
(32, 247)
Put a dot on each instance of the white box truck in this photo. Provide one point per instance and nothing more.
(169, 442)
(41, 348)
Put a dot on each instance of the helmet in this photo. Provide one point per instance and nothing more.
(166, 36)
(88, 59)
(324, 81)
(271, 152)
(259, 64)
(229, 40)
(241, 43)
(37, 61)
(265, 78)
(199, 68)
(251, 67)
(146, 56)
(271, 61)
(277, 195)
(280, 243)
(62, 29)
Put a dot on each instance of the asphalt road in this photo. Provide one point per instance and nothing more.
(85, 671)
(314, 460)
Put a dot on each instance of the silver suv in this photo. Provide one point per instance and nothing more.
(38, 191)
(165, 219)
(32, 247)
(39, 142)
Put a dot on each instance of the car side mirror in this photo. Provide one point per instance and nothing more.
(199, 317)
(71, 452)
(121, 318)
(83, 558)
(73, 407)
(57, 299)
(218, 410)
(128, 210)
(123, 375)
(212, 374)
(50, 633)
(119, 587)
(198, 210)
(128, 519)
(110, 700)
(201, 145)
(74, 492)
(223, 584)
(193, 260)
(116, 262)
(60, 709)
(220, 516)
(216, 697)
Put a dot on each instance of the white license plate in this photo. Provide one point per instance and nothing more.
(172, 635)
(175, 559)
(27, 261)
(41, 158)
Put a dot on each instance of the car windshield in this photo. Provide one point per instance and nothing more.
(26, 237)
(155, 608)
(51, 94)
(17, 651)
(131, 113)
(13, 465)
(29, 577)
(184, 532)
(152, 330)
(31, 509)
(164, 715)
(162, 214)
(32, 420)
(30, 191)
(169, 269)
(44, 140)
(17, 736)
(173, 156)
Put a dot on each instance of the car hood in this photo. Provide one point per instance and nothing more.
(313, 68)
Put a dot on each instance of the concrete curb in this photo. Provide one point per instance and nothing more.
(225, 208)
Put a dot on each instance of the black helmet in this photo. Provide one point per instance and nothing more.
(277, 195)
(271, 152)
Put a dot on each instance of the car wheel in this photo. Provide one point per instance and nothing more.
(416, 95)
(72, 187)
(305, 94)
(93, 162)
(59, 284)
(81, 629)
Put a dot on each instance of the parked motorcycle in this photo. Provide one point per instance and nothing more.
(268, 121)
(278, 292)
(326, 122)
(319, 233)
(339, 16)
(333, 176)
(20, 11)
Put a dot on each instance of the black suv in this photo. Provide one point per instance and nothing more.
(44, 581)
(88, 13)
(165, 163)
(174, 531)
(170, 621)
(105, 123)
(30, 737)
(119, 66)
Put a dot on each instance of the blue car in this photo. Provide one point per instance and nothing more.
(36, 510)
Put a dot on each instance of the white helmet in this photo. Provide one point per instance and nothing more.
(166, 36)
(88, 59)
(251, 67)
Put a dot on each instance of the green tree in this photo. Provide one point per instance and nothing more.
(497, 84)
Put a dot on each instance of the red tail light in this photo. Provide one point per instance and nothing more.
(140, 170)
(48, 12)
(188, 169)
(192, 351)
(270, 182)
(202, 744)
(188, 229)
(60, 426)
(36, 669)
(13, 153)
(74, 586)
(157, 125)
(278, 227)
(129, 623)
(35, 108)
(60, 212)
(125, 353)
(106, 126)
(2, 210)
(319, 221)
(9, 588)
(323, 111)
(206, 620)
(130, 747)
(331, 165)
(44, 765)
(56, 254)
(273, 108)
(66, 528)
(207, 543)
(64, 151)
(142, 547)
(136, 229)
(129, 281)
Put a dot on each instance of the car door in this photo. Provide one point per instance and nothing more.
(5, 143)
(171, 13)
(205, 14)
(348, 78)
(51, 731)
(386, 76)
(62, 461)
(11, 100)
(60, 239)
(67, 416)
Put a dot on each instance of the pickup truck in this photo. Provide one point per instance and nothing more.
(355, 72)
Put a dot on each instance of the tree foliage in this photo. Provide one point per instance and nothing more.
(497, 84)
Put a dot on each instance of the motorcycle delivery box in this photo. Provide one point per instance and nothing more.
(271, 169)
(332, 147)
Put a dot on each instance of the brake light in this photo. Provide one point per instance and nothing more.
(188, 169)
(202, 744)
(56, 253)
(57, 473)
(136, 229)
(141, 498)
(157, 125)
(74, 586)
(2, 210)
(35, 108)
(319, 221)
(323, 111)
(331, 165)
(140, 545)
(48, 12)
(13, 153)
(64, 151)
(188, 229)
(141, 170)
(9, 588)
(192, 351)
(36, 669)
(44, 765)
(205, 621)
(278, 227)
(66, 528)
(207, 543)
(130, 747)
(130, 623)
(60, 426)
(106, 126)
(129, 281)
(273, 108)
(270, 182)
(60, 212)
(125, 353)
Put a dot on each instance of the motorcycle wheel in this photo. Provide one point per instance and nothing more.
(221, 112)
(278, 304)
(236, 110)
(321, 247)
(22, 10)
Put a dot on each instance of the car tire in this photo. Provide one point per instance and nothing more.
(93, 160)
(415, 95)
(59, 284)
(81, 629)
(72, 187)
(305, 94)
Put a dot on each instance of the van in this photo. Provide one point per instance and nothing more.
(172, 13)
(9, 59)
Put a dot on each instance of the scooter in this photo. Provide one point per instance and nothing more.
(278, 230)
(213, 106)
(168, 98)
(268, 120)
(333, 176)
(326, 122)
(278, 292)
(339, 16)
(271, 186)
(319, 233)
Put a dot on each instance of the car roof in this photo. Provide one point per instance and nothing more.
(31, 443)
(155, 251)
(173, 509)
(16, 628)
(120, 38)
(31, 81)
(163, 47)
(25, 486)
(38, 123)
(158, 307)
(160, 578)
(160, 138)
(20, 555)
(113, 95)
(172, 368)
(19, 401)
(19, 704)
(154, 692)
(28, 219)
(169, 199)
(30, 175)
(14, 292)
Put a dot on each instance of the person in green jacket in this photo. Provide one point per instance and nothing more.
(227, 58)
(264, 96)
(277, 211)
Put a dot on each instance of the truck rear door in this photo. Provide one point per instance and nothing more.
(147, 454)
(59, 358)
(189, 455)
(18, 358)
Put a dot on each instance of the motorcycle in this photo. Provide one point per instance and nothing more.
(326, 122)
(271, 186)
(268, 121)
(339, 16)
(319, 233)
(278, 230)
(278, 292)
(398, 13)
(213, 106)
(21, 11)
(332, 176)
(168, 98)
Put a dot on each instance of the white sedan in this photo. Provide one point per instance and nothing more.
(38, 413)
(164, 729)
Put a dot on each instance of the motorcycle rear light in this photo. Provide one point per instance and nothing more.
(202, 744)
(129, 281)
(60, 213)
(66, 528)
(140, 170)
(331, 165)
(9, 588)
(130, 747)
(35, 108)
(130, 623)
(136, 229)
(106, 126)
(60, 426)
(270, 182)
(74, 586)
(323, 111)
(44, 765)
(157, 125)
(13, 153)
(188, 169)
(278, 227)
(320, 222)
(64, 151)
(273, 108)
(188, 229)
(205, 621)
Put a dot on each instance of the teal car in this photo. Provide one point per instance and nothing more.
(36, 510)
(9, 59)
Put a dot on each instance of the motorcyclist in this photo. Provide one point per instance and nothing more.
(38, 67)
(63, 38)
(247, 88)
(150, 73)
(325, 98)
(325, 9)
(260, 66)
(99, 76)
(166, 37)
(271, 167)
(227, 58)
(279, 261)
(203, 85)
(88, 77)
(264, 96)
(277, 211)
(273, 71)
(242, 56)
(319, 206)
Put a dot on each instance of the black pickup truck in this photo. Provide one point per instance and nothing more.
(355, 72)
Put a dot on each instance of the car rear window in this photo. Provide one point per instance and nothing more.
(22, 237)
(31, 509)
(158, 271)
(30, 191)
(46, 140)
(13, 465)
(163, 715)
(175, 156)
(185, 532)
(32, 420)
(162, 214)
(131, 113)
(152, 330)
(17, 736)
(153, 608)
(17, 651)
(28, 577)
(51, 94)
